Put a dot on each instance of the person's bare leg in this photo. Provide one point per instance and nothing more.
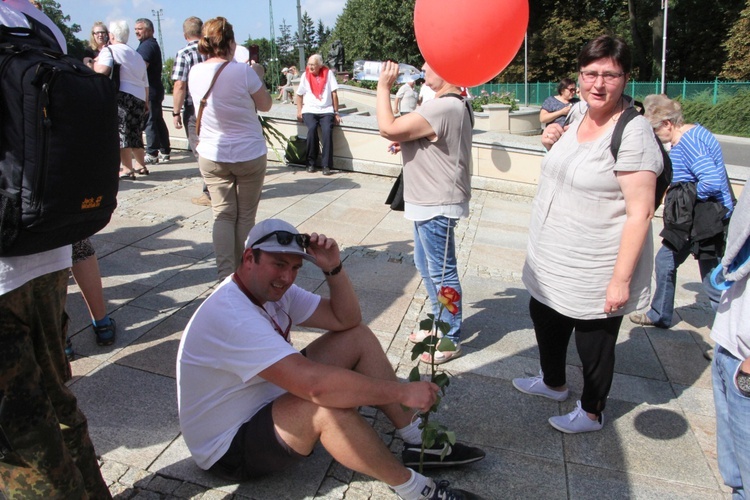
(126, 159)
(89, 280)
(140, 159)
(343, 432)
(359, 350)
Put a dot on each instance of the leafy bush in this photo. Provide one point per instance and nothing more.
(494, 98)
(729, 116)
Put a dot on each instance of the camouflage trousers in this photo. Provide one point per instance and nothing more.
(45, 449)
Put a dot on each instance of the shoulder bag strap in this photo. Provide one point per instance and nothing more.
(205, 99)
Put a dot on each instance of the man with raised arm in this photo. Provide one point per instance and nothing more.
(251, 404)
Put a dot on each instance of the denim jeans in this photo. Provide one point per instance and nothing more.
(665, 267)
(235, 193)
(732, 423)
(429, 250)
(326, 128)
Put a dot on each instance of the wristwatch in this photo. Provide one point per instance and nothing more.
(175, 114)
(743, 382)
(335, 270)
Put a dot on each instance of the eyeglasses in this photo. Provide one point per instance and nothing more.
(285, 238)
(101, 33)
(571, 90)
(608, 76)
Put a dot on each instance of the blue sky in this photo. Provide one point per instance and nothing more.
(250, 18)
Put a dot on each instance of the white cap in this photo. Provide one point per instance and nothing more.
(284, 70)
(272, 245)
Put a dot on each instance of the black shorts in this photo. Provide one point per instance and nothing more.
(256, 450)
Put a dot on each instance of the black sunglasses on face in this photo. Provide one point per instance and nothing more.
(285, 238)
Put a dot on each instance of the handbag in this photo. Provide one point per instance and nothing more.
(205, 99)
(114, 75)
(396, 197)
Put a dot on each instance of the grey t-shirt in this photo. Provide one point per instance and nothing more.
(577, 221)
(439, 172)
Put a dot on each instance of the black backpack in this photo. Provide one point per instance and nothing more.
(664, 179)
(59, 145)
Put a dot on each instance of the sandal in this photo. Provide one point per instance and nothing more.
(142, 171)
(128, 175)
(441, 356)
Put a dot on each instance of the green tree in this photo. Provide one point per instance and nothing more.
(737, 47)
(52, 9)
(377, 30)
(309, 40)
(285, 45)
(322, 35)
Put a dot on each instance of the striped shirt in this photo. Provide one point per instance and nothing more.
(186, 58)
(697, 158)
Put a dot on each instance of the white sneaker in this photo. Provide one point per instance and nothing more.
(150, 160)
(163, 158)
(576, 421)
(536, 387)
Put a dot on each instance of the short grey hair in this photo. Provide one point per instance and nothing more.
(659, 108)
(147, 22)
(317, 58)
(120, 30)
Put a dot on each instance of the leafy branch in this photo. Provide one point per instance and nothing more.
(434, 433)
(270, 133)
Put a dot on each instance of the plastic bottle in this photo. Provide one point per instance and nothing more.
(370, 70)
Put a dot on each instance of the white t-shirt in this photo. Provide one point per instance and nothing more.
(12, 14)
(230, 129)
(408, 96)
(426, 93)
(133, 79)
(17, 271)
(241, 54)
(226, 344)
(310, 103)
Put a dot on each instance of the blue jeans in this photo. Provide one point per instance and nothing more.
(665, 266)
(732, 423)
(429, 250)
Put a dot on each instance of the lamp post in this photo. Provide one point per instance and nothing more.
(300, 41)
(159, 13)
(665, 7)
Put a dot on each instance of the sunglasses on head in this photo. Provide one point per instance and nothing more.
(285, 238)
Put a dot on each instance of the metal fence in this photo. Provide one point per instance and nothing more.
(539, 91)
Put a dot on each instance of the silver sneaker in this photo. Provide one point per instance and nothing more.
(536, 387)
(576, 421)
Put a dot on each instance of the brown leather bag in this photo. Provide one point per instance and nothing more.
(205, 99)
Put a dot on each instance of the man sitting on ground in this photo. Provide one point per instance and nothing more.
(250, 404)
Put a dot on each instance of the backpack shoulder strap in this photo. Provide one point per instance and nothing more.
(625, 118)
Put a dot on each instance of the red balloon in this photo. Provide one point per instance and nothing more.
(469, 42)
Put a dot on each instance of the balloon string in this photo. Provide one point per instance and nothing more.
(453, 190)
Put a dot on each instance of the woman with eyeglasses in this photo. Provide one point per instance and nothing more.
(232, 149)
(97, 41)
(555, 108)
(590, 250)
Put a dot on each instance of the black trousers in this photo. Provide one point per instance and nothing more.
(326, 122)
(595, 341)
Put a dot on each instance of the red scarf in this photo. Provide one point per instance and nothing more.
(317, 83)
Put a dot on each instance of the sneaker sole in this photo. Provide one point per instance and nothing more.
(563, 397)
(440, 465)
(570, 431)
